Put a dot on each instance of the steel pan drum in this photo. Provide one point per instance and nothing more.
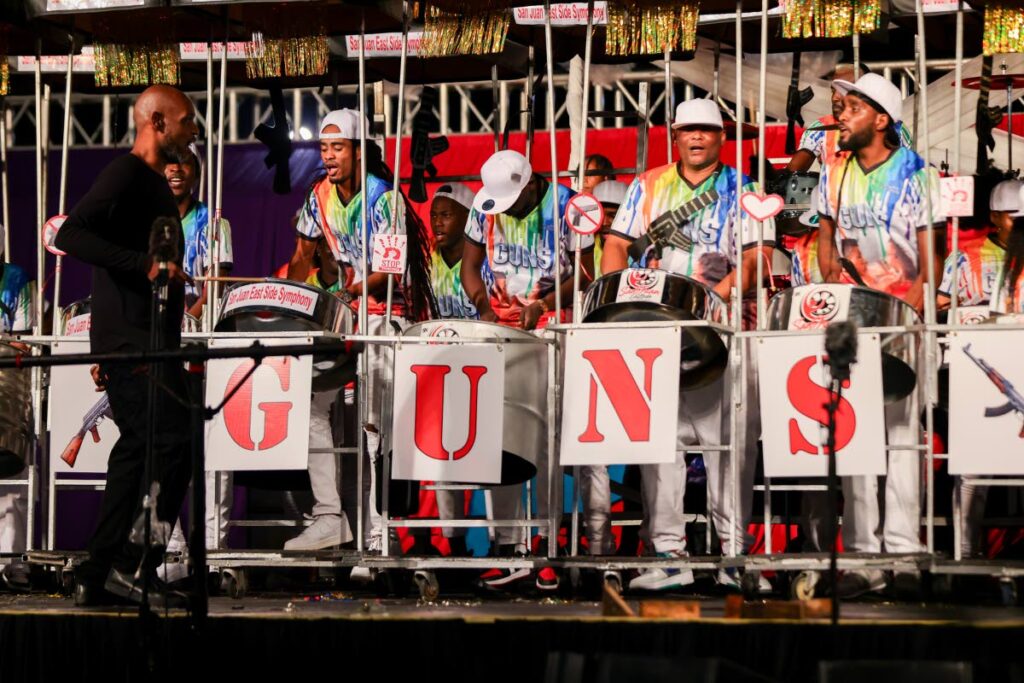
(796, 189)
(642, 294)
(77, 316)
(526, 390)
(287, 306)
(816, 306)
(15, 417)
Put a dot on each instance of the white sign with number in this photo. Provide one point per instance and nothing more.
(794, 383)
(389, 253)
(265, 425)
(449, 413)
(621, 396)
(986, 402)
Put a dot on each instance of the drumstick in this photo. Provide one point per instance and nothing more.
(225, 278)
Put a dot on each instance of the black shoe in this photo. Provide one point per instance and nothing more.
(17, 577)
(123, 585)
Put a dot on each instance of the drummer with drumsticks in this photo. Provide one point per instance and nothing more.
(511, 234)
(333, 209)
(698, 131)
(820, 142)
(874, 212)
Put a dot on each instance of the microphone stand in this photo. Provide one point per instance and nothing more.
(832, 481)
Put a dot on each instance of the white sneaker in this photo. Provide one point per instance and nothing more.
(169, 572)
(327, 531)
(730, 578)
(657, 579)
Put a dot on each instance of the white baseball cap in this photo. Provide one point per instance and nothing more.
(457, 192)
(878, 90)
(698, 113)
(1006, 197)
(610, 192)
(347, 122)
(504, 176)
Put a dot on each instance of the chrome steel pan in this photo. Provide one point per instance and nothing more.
(321, 311)
(641, 294)
(524, 436)
(816, 306)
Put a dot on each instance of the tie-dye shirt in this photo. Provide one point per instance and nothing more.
(197, 259)
(446, 283)
(521, 252)
(324, 214)
(15, 299)
(978, 263)
(878, 213)
(822, 140)
(712, 230)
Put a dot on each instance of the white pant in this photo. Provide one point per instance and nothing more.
(451, 505)
(508, 504)
(377, 394)
(596, 494)
(216, 535)
(972, 509)
(13, 520)
(878, 516)
(704, 420)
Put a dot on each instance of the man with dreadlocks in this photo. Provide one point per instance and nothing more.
(333, 210)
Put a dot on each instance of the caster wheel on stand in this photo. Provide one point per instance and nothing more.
(749, 585)
(426, 582)
(66, 582)
(803, 586)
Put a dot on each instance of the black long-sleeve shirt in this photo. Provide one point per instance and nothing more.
(109, 229)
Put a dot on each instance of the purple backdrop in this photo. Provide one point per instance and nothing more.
(260, 219)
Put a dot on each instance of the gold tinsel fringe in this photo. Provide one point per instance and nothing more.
(446, 34)
(1004, 30)
(296, 56)
(120, 65)
(649, 30)
(5, 77)
(829, 18)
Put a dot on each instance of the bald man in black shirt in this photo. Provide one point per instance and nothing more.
(109, 229)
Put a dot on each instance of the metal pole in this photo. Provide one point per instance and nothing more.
(737, 380)
(929, 293)
(62, 195)
(958, 73)
(364, 297)
(3, 183)
(668, 105)
(233, 116)
(582, 146)
(528, 126)
(759, 291)
(208, 319)
(37, 327)
(856, 55)
(555, 218)
(213, 302)
(444, 109)
(107, 115)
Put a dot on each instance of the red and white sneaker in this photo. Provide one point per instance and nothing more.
(547, 579)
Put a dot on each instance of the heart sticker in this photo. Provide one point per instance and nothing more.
(761, 208)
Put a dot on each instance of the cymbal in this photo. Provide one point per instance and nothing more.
(997, 82)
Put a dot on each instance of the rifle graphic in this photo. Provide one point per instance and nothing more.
(1015, 401)
(424, 148)
(667, 230)
(90, 424)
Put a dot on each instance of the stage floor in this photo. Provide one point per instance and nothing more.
(467, 637)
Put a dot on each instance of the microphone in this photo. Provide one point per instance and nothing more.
(163, 239)
(841, 347)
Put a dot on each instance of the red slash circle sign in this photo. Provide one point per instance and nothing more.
(584, 214)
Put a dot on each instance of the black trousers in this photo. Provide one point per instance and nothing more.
(128, 389)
